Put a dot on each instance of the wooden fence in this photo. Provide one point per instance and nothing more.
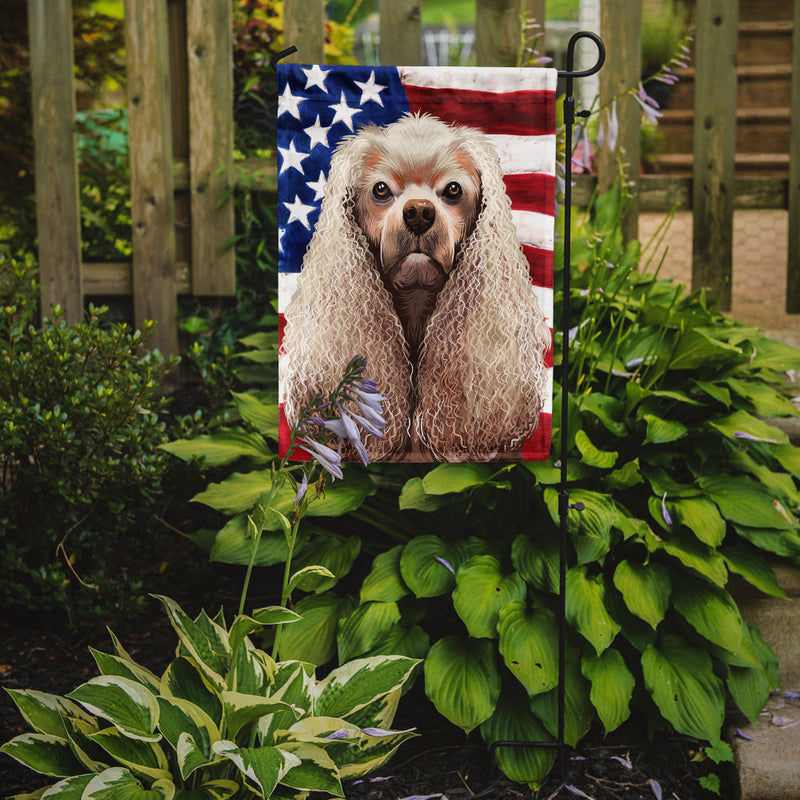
(181, 134)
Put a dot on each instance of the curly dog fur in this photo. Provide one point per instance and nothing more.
(415, 264)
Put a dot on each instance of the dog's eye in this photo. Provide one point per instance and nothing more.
(380, 191)
(452, 191)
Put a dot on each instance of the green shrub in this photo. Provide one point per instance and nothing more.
(223, 720)
(79, 430)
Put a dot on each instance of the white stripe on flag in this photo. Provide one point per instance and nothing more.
(522, 154)
(287, 286)
(544, 297)
(534, 228)
(487, 79)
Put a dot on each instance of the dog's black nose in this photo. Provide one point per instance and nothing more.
(418, 216)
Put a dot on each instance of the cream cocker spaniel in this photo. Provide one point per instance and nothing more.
(415, 264)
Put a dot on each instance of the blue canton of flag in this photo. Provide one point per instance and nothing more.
(317, 108)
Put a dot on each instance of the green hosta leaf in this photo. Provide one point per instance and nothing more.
(709, 610)
(481, 591)
(608, 410)
(45, 712)
(316, 772)
(145, 759)
(313, 638)
(578, 710)
(424, 565)
(448, 478)
(264, 766)
(44, 753)
(180, 717)
(355, 685)
(788, 456)
(335, 553)
(223, 446)
(590, 455)
(694, 554)
(365, 627)
(696, 349)
(234, 545)
(683, 685)
(537, 561)
(589, 528)
(529, 645)
(462, 680)
(261, 416)
(740, 422)
(413, 496)
(771, 354)
(207, 644)
(749, 688)
(663, 431)
(312, 577)
(399, 640)
(718, 392)
(212, 790)
(750, 564)
(767, 401)
(385, 582)
(625, 477)
(182, 679)
(118, 784)
(745, 502)
(127, 705)
(612, 687)
(701, 517)
(646, 589)
(586, 608)
(237, 493)
(242, 709)
(125, 668)
(782, 543)
(512, 721)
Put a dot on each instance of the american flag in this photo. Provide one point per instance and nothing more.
(319, 105)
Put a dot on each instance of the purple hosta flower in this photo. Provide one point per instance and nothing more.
(446, 564)
(380, 732)
(624, 761)
(791, 695)
(346, 429)
(664, 512)
(655, 786)
(425, 797)
(577, 792)
(301, 489)
(342, 733)
(582, 154)
(328, 459)
(649, 106)
(376, 779)
(751, 437)
(608, 132)
(742, 735)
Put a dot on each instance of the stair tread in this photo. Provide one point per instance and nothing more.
(766, 26)
(776, 113)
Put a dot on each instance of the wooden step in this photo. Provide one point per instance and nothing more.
(763, 42)
(766, 165)
(754, 10)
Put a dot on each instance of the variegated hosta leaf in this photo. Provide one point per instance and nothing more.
(293, 685)
(252, 670)
(125, 668)
(373, 753)
(513, 721)
(646, 589)
(117, 783)
(242, 709)
(462, 680)
(262, 766)
(586, 608)
(126, 704)
(78, 733)
(316, 771)
(45, 712)
(529, 645)
(183, 679)
(358, 683)
(68, 789)
(204, 641)
(481, 591)
(212, 790)
(179, 718)
(244, 625)
(146, 759)
(683, 685)
(44, 753)
(612, 686)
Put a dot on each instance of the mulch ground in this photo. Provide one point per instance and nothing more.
(44, 654)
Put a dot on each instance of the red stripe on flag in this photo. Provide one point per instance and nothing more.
(548, 356)
(540, 263)
(516, 113)
(285, 436)
(533, 191)
(281, 329)
(537, 447)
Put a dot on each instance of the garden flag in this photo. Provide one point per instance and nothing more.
(416, 217)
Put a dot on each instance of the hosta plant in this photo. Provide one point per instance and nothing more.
(224, 720)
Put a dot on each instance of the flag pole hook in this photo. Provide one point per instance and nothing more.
(564, 505)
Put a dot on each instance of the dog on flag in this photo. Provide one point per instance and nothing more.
(415, 264)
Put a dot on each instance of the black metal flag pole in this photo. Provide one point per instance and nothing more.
(563, 495)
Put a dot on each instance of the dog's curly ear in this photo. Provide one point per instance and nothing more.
(342, 309)
(482, 377)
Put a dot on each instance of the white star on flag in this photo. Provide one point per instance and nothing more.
(318, 186)
(299, 211)
(288, 102)
(291, 158)
(344, 113)
(370, 90)
(315, 77)
(318, 134)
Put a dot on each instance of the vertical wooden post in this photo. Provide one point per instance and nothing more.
(304, 27)
(400, 32)
(498, 32)
(56, 160)
(714, 146)
(793, 268)
(152, 202)
(210, 52)
(621, 28)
